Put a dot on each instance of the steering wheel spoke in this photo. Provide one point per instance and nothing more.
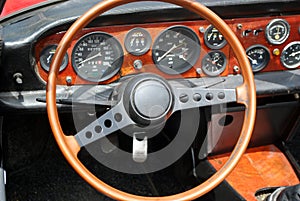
(151, 100)
(113, 120)
(187, 98)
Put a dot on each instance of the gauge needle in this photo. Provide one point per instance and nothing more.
(49, 58)
(253, 61)
(170, 50)
(90, 58)
(294, 54)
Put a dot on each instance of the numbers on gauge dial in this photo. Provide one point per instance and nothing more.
(213, 38)
(97, 56)
(290, 56)
(138, 41)
(176, 50)
(277, 31)
(259, 57)
(47, 55)
(214, 63)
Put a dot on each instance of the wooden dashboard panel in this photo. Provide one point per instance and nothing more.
(239, 26)
(258, 168)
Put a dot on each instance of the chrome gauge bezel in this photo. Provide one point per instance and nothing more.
(282, 57)
(191, 59)
(45, 54)
(116, 63)
(148, 41)
(276, 22)
(265, 61)
(216, 46)
(220, 70)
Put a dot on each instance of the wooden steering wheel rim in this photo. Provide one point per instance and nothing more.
(246, 94)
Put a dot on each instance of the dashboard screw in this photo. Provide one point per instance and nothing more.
(236, 69)
(198, 70)
(138, 64)
(239, 26)
(201, 29)
(69, 80)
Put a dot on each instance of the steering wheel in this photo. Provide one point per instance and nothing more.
(120, 116)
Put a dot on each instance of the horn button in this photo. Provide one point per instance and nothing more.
(151, 99)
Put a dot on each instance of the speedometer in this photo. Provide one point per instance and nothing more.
(176, 50)
(97, 56)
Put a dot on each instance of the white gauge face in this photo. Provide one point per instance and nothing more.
(277, 31)
(290, 56)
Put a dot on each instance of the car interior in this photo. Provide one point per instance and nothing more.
(150, 100)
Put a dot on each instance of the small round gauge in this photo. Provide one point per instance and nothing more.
(277, 31)
(138, 41)
(213, 38)
(290, 56)
(97, 56)
(214, 63)
(176, 50)
(47, 55)
(259, 57)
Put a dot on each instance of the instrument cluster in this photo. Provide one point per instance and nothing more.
(187, 49)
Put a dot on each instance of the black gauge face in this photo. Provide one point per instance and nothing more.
(259, 57)
(214, 63)
(176, 50)
(277, 31)
(97, 57)
(47, 55)
(138, 41)
(290, 56)
(213, 38)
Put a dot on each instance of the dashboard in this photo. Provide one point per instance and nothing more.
(188, 49)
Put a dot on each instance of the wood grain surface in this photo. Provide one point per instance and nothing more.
(119, 32)
(259, 167)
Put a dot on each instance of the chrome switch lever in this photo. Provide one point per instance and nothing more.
(139, 148)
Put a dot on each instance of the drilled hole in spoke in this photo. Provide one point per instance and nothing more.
(107, 123)
(118, 117)
(98, 129)
(88, 135)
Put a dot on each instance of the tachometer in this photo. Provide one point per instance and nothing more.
(214, 63)
(259, 57)
(290, 56)
(213, 38)
(277, 31)
(97, 56)
(176, 50)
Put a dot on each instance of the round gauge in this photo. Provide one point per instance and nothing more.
(138, 41)
(214, 63)
(290, 56)
(213, 38)
(97, 56)
(47, 55)
(277, 31)
(176, 50)
(259, 57)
